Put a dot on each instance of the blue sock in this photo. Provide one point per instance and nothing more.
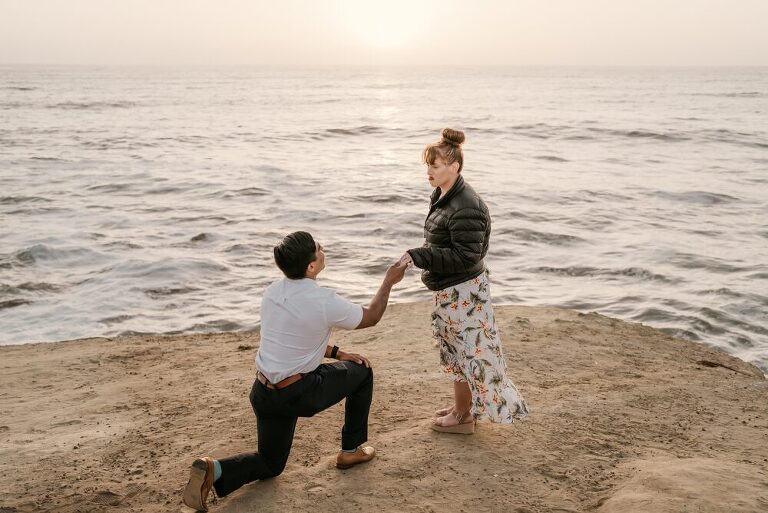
(350, 451)
(216, 470)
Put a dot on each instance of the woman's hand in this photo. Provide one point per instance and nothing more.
(353, 357)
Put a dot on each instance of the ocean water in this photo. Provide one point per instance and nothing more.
(148, 200)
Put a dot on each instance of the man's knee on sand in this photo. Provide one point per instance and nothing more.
(276, 466)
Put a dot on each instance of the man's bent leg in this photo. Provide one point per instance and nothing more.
(275, 440)
(355, 430)
(341, 380)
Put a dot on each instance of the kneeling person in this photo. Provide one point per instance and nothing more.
(297, 316)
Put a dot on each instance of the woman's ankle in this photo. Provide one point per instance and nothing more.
(463, 417)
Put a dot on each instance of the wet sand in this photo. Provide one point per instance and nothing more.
(624, 418)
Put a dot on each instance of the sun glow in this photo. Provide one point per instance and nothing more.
(383, 25)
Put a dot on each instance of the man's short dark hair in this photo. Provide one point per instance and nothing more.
(294, 253)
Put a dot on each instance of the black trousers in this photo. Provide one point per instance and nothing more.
(278, 410)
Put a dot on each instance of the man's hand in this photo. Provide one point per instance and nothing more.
(406, 259)
(395, 272)
(353, 357)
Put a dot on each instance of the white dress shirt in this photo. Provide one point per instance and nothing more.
(296, 321)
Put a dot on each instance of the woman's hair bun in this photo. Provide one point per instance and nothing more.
(453, 137)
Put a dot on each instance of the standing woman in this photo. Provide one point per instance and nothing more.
(457, 231)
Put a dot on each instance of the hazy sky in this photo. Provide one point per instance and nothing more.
(384, 32)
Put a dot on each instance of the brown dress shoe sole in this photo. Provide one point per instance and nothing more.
(195, 494)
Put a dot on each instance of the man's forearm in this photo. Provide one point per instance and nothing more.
(378, 304)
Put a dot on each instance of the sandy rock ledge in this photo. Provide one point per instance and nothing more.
(624, 418)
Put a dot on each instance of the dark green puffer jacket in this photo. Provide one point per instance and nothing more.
(456, 235)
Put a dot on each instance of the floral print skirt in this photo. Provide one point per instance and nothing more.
(470, 349)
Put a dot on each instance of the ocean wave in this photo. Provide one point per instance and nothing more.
(115, 319)
(643, 134)
(694, 325)
(192, 139)
(724, 318)
(243, 249)
(519, 214)
(15, 200)
(483, 131)
(723, 291)
(197, 219)
(20, 88)
(12, 303)
(381, 198)
(706, 233)
(110, 187)
(579, 137)
(138, 333)
(351, 132)
(45, 253)
(14, 105)
(247, 191)
(165, 270)
(553, 239)
(733, 94)
(361, 130)
(122, 244)
(356, 215)
(162, 292)
(91, 105)
(680, 333)
(31, 210)
(201, 237)
(574, 133)
(534, 130)
(21, 258)
(29, 287)
(551, 158)
(723, 135)
(168, 189)
(115, 143)
(601, 195)
(586, 271)
(696, 197)
(711, 264)
(535, 126)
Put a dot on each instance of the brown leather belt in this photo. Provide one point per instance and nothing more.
(290, 380)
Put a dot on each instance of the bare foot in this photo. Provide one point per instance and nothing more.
(445, 411)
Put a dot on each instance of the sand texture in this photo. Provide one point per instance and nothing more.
(624, 419)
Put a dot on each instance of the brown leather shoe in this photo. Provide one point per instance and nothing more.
(200, 484)
(349, 459)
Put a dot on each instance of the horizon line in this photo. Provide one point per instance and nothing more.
(369, 66)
